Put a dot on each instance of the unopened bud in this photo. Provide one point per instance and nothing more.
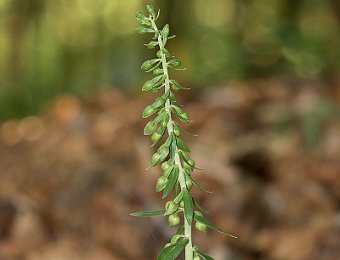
(155, 159)
(173, 220)
(161, 183)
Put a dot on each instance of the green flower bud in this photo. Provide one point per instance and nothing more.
(140, 16)
(177, 132)
(180, 113)
(179, 197)
(166, 52)
(159, 102)
(161, 183)
(143, 30)
(184, 117)
(188, 182)
(165, 30)
(148, 64)
(175, 63)
(163, 150)
(165, 166)
(159, 54)
(150, 128)
(149, 85)
(151, 45)
(176, 86)
(148, 111)
(172, 97)
(157, 72)
(171, 207)
(196, 257)
(165, 120)
(184, 155)
(155, 137)
(173, 220)
(201, 226)
(142, 19)
(155, 159)
(151, 10)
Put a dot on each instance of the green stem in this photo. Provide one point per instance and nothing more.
(189, 253)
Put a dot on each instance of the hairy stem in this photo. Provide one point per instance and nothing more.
(187, 226)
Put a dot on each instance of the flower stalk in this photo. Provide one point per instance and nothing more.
(181, 178)
(173, 154)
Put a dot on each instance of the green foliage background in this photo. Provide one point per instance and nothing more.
(48, 47)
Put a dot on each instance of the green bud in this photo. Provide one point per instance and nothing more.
(168, 171)
(165, 166)
(179, 197)
(201, 226)
(150, 128)
(166, 52)
(165, 120)
(159, 54)
(176, 86)
(157, 72)
(165, 30)
(169, 140)
(149, 85)
(188, 182)
(184, 117)
(148, 64)
(151, 10)
(143, 19)
(161, 183)
(171, 207)
(155, 159)
(143, 30)
(164, 151)
(177, 132)
(151, 44)
(174, 63)
(159, 102)
(172, 97)
(184, 155)
(159, 80)
(160, 116)
(173, 220)
(140, 16)
(155, 137)
(180, 113)
(196, 257)
(148, 111)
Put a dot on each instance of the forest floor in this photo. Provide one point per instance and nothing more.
(70, 177)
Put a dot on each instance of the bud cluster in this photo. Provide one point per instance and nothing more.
(173, 155)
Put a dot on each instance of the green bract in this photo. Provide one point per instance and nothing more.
(173, 154)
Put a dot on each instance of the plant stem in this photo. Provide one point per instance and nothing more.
(187, 226)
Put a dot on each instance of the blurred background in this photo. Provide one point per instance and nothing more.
(265, 80)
